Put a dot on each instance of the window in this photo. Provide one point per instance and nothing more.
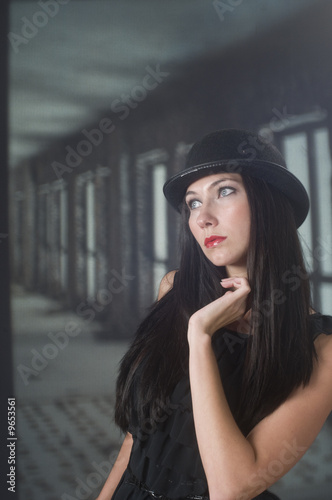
(151, 220)
(305, 143)
(159, 221)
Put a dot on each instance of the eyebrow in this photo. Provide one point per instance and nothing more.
(215, 183)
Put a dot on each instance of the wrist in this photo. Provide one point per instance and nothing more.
(198, 335)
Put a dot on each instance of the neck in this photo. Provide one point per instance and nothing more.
(237, 272)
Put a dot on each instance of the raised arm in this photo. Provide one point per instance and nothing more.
(238, 467)
(117, 470)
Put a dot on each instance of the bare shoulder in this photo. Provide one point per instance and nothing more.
(323, 345)
(166, 284)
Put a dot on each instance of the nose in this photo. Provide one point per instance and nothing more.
(206, 217)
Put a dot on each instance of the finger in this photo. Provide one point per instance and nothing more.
(236, 282)
(239, 289)
(227, 284)
(240, 282)
(232, 278)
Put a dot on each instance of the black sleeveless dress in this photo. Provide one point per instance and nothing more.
(165, 461)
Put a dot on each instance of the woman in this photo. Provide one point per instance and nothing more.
(227, 381)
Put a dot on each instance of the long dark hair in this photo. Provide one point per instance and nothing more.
(280, 352)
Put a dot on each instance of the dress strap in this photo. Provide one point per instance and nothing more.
(320, 323)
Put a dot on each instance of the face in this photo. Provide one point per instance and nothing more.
(220, 220)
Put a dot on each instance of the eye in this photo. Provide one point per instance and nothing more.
(225, 191)
(192, 204)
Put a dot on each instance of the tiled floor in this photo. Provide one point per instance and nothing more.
(66, 448)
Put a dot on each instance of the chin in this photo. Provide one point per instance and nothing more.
(218, 262)
(221, 261)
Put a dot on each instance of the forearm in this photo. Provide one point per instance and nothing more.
(117, 469)
(228, 458)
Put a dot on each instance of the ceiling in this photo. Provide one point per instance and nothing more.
(71, 59)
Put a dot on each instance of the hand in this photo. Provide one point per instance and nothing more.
(227, 309)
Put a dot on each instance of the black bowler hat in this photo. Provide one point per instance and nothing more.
(238, 151)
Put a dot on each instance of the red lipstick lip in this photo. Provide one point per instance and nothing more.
(214, 240)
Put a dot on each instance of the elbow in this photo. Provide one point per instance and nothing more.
(241, 485)
(232, 492)
(222, 496)
(230, 496)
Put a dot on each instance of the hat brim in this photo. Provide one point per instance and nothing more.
(276, 175)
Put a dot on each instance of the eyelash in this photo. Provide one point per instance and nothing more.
(190, 202)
